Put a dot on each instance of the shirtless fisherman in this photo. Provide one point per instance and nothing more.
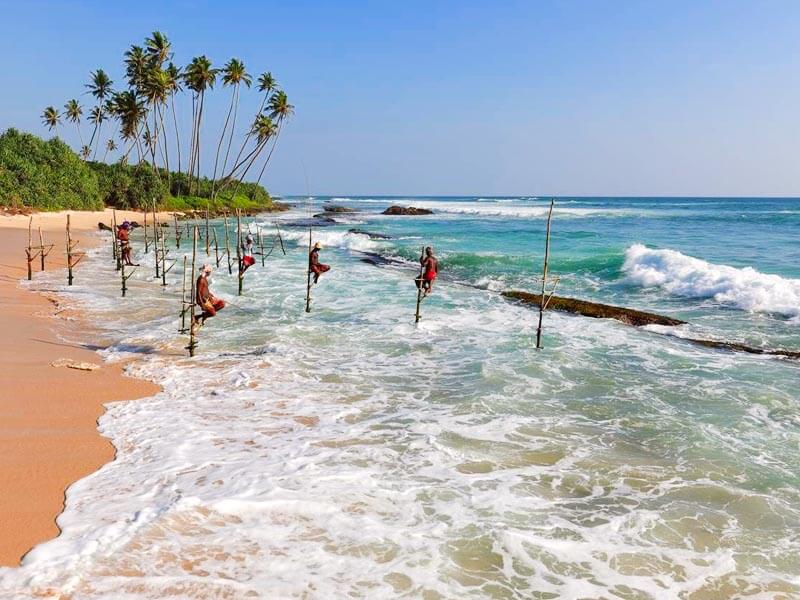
(430, 269)
(204, 298)
(314, 266)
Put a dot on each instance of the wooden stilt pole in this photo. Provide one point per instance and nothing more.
(177, 233)
(41, 249)
(261, 245)
(184, 307)
(73, 258)
(125, 278)
(117, 245)
(69, 254)
(280, 239)
(543, 301)
(417, 316)
(146, 239)
(239, 248)
(216, 247)
(163, 261)
(156, 234)
(228, 247)
(308, 269)
(208, 237)
(44, 249)
(28, 250)
(193, 321)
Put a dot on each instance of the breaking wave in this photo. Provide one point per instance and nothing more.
(744, 288)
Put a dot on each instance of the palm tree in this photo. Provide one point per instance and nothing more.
(111, 145)
(267, 85)
(199, 76)
(233, 74)
(96, 116)
(174, 75)
(130, 110)
(264, 129)
(100, 88)
(158, 48)
(159, 85)
(156, 92)
(52, 118)
(135, 66)
(85, 152)
(281, 110)
(100, 85)
(73, 112)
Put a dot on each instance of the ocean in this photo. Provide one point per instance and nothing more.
(349, 453)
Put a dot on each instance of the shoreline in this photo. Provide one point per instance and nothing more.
(49, 438)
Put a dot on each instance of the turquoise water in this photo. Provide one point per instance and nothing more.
(350, 452)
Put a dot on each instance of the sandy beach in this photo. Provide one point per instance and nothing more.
(49, 437)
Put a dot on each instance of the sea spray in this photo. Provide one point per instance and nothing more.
(744, 288)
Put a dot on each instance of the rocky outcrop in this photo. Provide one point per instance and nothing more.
(330, 208)
(637, 318)
(406, 210)
(372, 236)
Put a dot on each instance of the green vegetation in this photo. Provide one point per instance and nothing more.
(135, 187)
(44, 174)
(139, 114)
(143, 114)
(48, 175)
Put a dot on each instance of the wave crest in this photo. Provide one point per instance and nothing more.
(744, 288)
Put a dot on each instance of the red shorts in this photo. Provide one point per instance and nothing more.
(248, 261)
(429, 275)
(210, 308)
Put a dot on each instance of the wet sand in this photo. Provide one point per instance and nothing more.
(48, 437)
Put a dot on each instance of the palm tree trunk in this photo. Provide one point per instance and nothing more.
(249, 160)
(233, 128)
(99, 129)
(190, 166)
(222, 138)
(266, 162)
(177, 137)
(250, 133)
(199, 123)
(94, 132)
(229, 176)
(165, 146)
(124, 158)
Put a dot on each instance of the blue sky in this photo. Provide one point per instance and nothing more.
(472, 98)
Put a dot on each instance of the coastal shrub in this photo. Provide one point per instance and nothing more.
(44, 174)
(130, 186)
(135, 187)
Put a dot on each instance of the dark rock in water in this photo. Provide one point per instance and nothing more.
(134, 224)
(406, 210)
(637, 318)
(373, 258)
(372, 236)
(737, 347)
(330, 208)
(103, 227)
(313, 222)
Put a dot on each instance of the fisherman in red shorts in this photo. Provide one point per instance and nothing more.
(205, 299)
(314, 266)
(430, 269)
(248, 260)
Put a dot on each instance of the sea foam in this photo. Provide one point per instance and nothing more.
(744, 288)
